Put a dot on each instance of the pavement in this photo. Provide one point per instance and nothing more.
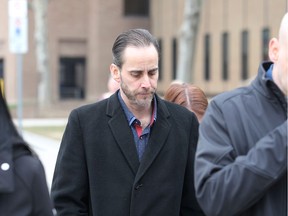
(46, 148)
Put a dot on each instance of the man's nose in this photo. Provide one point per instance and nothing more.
(145, 81)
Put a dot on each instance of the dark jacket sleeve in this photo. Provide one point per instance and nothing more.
(40, 195)
(227, 184)
(69, 186)
(189, 204)
(30, 171)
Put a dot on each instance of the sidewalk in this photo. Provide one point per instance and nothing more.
(46, 148)
(42, 122)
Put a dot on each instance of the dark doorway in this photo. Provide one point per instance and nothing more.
(72, 78)
(136, 7)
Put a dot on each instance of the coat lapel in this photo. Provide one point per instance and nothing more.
(122, 132)
(157, 139)
(124, 137)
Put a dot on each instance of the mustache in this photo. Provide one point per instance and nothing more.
(147, 91)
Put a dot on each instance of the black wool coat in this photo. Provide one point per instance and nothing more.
(98, 172)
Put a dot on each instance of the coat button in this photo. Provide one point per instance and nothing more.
(5, 166)
(138, 186)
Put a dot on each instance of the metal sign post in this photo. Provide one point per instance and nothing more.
(18, 44)
(19, 92)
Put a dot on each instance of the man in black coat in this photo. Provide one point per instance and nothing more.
(23, 187)
(130, 154)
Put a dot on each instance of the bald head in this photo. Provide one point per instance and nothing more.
(278, 53)
(283, 31)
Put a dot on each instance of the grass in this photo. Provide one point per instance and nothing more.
(54, 132)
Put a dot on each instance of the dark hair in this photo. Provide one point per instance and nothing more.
(135, 38)
(6, 124)
(9, 136)
(189, 96)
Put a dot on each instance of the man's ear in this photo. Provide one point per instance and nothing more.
(115, 72)
(273, 49)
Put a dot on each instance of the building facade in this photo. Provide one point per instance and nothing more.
(231, 41)
(80, 38)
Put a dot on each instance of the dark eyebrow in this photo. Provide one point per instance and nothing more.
(153, 69)
(135, 71)
(140, 71)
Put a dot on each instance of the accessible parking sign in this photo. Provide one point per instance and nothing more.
(18, 26)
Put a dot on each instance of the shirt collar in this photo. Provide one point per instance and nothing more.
(268, 74)
(129, 115)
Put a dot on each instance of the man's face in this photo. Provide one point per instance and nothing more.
(283, 64)
(278, 52)
(139, 76)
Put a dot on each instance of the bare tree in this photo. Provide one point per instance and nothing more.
(187, 40)
(40, 11)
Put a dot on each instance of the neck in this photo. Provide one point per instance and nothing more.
(141, 112)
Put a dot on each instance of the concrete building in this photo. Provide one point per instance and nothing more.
(231, 41)
(80, 37)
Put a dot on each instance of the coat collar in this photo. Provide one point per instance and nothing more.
(267, 87)
(124, 137)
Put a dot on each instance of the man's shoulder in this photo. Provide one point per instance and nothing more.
(90, 109)
(176, 109)
(91, 106)
(235, 95)
(252, 89)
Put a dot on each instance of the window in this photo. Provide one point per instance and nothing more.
(207, 57)
(2, 76)
(225, 55)
(160, 60)
(72, 76)
(244, 55)
(136, 7)
(265, 43)
(174, 58)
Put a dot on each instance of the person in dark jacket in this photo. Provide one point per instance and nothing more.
(241, 157)
(130, 154)
(23, 188)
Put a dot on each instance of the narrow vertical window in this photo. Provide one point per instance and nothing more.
(244, 55)
(174, 58)
(265, 43)
(72, 78)
(225, 55)
(160, 61)
(207, 57)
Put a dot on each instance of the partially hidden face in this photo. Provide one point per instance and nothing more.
(283, 63)
(278, 52)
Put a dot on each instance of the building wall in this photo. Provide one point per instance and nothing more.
(88, 29)
(216, 18)
(166, 19)
(85, 29)
(68, 35)
(9, 60)
(106, 21)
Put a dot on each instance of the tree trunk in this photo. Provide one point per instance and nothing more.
(187, 41)
(40, 12)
